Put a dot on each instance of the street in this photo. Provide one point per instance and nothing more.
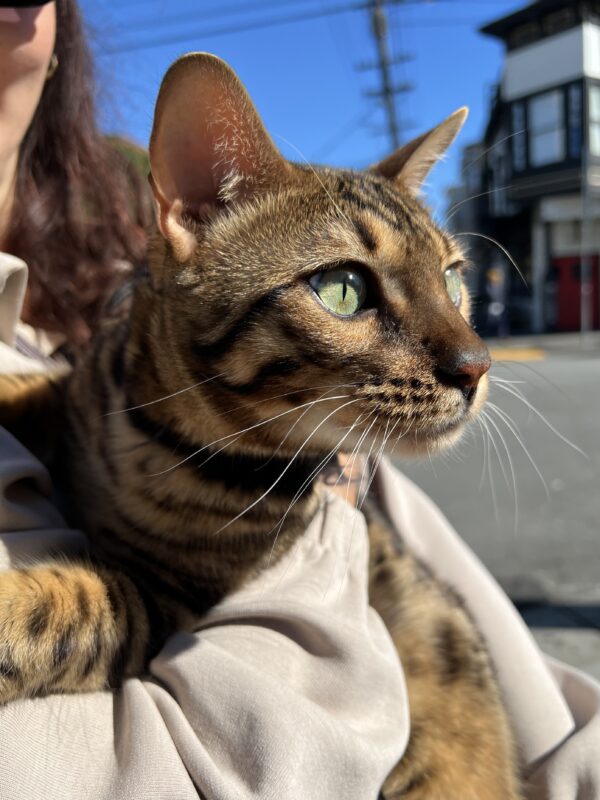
(539, 534)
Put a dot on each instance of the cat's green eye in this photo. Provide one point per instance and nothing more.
(340, 290)
(453, 285)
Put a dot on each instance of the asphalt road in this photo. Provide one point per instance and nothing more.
(539, 534)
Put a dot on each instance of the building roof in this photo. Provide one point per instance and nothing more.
(502, 28)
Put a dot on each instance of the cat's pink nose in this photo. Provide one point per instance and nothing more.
(464, 369)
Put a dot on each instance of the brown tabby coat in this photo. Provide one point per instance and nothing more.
(198, 427)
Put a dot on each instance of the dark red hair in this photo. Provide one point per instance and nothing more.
(81, 208)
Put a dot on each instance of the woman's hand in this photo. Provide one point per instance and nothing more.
(346, 476)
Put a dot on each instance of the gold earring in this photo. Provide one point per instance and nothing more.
(52, 67)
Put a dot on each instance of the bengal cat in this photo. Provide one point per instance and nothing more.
(288, 312)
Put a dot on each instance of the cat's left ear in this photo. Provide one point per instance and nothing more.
(411, 163)
(208, 148)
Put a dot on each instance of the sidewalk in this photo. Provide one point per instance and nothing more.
(536, 348)
(570, 632)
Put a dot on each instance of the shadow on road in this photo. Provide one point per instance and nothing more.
(540, 614)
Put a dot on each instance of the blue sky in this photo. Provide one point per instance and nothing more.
(303, 75)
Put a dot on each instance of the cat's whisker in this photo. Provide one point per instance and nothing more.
(333, 452)
(237, 434)
(503, 249)
(401, 436)
(162, 399)
(306, 411)
(519, 393)
(351, 462)
(377, 459)
(296, 498)
(333, 387)
(354, 454)
(486, 417)
(350, 465)
(453, 209)
(485, 428)
(308, 480)
(288, 465)
(365, 471)
(485, 453)
(359, 494)
(496, 379)
(546, 422)
(512, 365)
(496, 144)
(514, 429)
(512, 470)
(375, 465)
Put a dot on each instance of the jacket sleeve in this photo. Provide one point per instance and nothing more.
(572, 770)
(290, 688)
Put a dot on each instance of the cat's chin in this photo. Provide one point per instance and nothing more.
(436, 440)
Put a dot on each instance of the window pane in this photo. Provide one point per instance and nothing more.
(546, 112)
(518, 139)
(546, 148)
(595, 138)
(575, 120)
(595, 103)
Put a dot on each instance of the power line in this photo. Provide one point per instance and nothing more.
(241, 28)
(189, 34)
(227, 11)
(340, 136)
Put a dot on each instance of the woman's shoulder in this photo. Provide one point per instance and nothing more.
(13, 283)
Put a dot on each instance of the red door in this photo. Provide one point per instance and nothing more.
(568, 294)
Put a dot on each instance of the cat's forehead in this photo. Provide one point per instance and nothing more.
(384, 214)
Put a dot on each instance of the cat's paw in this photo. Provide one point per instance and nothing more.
(55, 631)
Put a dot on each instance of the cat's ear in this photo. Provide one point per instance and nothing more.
(411, 163)
(208, 146)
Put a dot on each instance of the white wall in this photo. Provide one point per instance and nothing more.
(564, 214)
(591, 50)
(548, 62)
(566, 208)
(566, 238)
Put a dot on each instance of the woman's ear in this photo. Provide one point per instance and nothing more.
(208, 146)
(411, 163)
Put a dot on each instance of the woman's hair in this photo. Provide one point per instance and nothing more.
(81, 208)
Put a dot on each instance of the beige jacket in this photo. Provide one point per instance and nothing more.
(291, 688)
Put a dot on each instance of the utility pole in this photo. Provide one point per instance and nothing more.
(586, 300)
(388, 90)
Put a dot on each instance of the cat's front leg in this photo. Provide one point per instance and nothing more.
(67, 627)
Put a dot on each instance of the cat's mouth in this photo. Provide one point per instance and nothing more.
(444, 432)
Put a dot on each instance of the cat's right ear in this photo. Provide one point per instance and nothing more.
(208, 147)
(411, 163)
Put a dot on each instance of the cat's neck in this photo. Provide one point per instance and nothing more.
(202, 518)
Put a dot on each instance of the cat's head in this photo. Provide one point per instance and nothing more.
(323, 290)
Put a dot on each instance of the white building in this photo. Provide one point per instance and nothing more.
(542, 170)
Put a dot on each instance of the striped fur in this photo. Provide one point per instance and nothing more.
(193, 433)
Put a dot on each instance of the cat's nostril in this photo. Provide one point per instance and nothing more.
(469, 393)
(464, 371)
